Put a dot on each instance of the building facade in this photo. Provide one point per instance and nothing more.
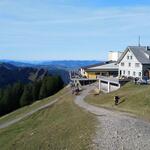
(135, 62)
(108, 69)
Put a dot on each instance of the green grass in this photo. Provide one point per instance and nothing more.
(60, 127)
(134, 99)
(21, 111)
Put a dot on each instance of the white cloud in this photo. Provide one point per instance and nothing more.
(48, 25)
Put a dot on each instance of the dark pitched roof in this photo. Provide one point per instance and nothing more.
(139, 52)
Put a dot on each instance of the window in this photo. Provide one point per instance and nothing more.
(128, 72)
(127, 57)
(140, 74)
(122, 64)
(131, 57)
(124, 72)
(137, 65)
(134, 73)
(129, 64)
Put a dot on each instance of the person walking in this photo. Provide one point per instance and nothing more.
(116, 100)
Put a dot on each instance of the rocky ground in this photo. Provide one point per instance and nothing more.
(116, 130)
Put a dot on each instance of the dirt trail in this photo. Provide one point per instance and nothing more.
(116, 130)
(13, 121)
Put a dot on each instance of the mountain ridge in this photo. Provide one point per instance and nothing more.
(56, 68)
(10, 74)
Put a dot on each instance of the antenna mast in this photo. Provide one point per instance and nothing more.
(139, 41)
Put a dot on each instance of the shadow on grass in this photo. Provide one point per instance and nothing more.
(122, 101)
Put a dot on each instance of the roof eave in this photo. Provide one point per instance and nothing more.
(143, 63)
(122, 56)
(96, 70)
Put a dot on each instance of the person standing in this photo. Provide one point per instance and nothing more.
(116, 100)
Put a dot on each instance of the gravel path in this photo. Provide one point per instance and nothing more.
(116, 130)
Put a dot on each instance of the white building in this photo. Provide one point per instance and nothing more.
(108, 68)
(135, 62)
(114, 56)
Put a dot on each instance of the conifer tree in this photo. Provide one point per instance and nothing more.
(6, 100)
(43, 89)
(50, 86)
(26, 97)
(17, 91)
(36, 90)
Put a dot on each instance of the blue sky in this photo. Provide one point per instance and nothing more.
(71, 29)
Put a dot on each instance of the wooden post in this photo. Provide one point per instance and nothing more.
(119, 85)
(108, 88)
(99, 84)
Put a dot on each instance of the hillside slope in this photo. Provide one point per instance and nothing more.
(61, 126)
(116, 130)
(134, 99)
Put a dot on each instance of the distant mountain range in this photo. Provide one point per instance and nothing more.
(13, 71)
(69, 65)
(59, 64)
(10, 74)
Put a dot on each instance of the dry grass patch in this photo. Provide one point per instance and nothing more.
(134, 99)
(61, 126)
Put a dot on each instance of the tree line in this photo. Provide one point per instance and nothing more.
(18, 95)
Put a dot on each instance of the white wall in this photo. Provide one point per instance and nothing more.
(82, 71)
(114, 56)
(104, 87)
(131, 68)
